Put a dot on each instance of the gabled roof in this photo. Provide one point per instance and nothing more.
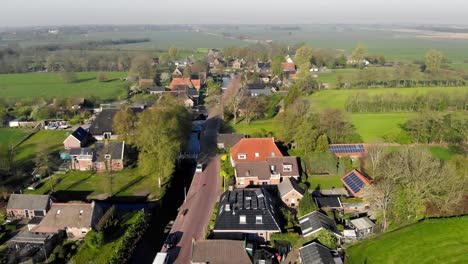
(288, 67)
(258, 169)
(220, 252)
(103, 122)
(28, 201)
(362, 223)
(156, 89)
(196, 83)
(315, 253)
(115, 149)
(279, 162)
(81, 151)
(263, 147)
(249, 203)
(354, 181)
(229, 140)
(63, 215)
(348, 150)
(328, 201)
(288, 185)
(80, 134)
(316, 220)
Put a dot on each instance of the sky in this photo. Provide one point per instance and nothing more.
(15, 13)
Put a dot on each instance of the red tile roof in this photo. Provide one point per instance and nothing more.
(255, 149)
(180, 81)
(289, 67)
(196, 84)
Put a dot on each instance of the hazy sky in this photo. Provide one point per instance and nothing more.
(65, 12)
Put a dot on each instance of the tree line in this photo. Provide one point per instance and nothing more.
(362, 102)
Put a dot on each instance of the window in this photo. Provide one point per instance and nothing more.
(258, 219)
(241, 156)
(257, 154)
(107, 156)
(264, 183)
(287, 167)
(242, 219)
(241, 181)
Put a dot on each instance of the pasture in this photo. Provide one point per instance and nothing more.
(27, 150)
(429, 241)
(49, 85)
(374, 126)
(10, 136)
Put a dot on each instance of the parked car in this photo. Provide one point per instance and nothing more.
(170, 241)
(199, 168)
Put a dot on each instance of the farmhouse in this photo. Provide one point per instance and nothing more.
(28, 205)
(76, 219)
(246, 212)
(77, 139)
(254, 149)
(107, 156)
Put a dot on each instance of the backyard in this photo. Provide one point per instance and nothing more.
(429, 241)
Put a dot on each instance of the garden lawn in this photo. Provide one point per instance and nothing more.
(430, 241)
(127, 182)
(374, 126)
(260, 126)
(27, 150)
(10, 136)
(441, 153)
(324, 181)
(48, 85)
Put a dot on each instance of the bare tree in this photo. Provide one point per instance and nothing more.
(375, 155)
(234, 97)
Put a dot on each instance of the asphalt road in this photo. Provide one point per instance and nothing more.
(204, 192)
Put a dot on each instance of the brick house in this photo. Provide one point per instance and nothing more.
(290, 192)
(77, 139)
(28, 205)
(107, 156)
(253, 150)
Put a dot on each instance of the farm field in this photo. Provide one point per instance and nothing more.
(48, 85)
(429, 241)
(87, 185)
(374, 126)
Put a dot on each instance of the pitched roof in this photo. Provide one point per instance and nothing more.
(196, 83)
(229, 140)
(258, 169)
(278, 164)
(354, 181)
(288, 67)
(115, 149)
(180, 81)
(249, 203)
(28, 201)
(80, 134)
(255, 149)
(288, 185)
(315, 253)
(63, 215)
(81, 151)
(312, 222)
(362, 223)
(347, 150)
(220, 252)
(103, 122)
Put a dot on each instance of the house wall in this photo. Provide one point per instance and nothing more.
(22, 213)
(288, 199)
(82, 165)
(116, 165)
(245, 181)
(71, 142)
(76, 233)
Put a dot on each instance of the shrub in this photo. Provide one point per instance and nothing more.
(94, 239)
(306, 205)
(327, 239)
(292, 238)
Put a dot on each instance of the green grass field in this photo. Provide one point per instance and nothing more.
(99, 185)
(10, 136)
(48, 85)
(324, 181)
(29, 148)
(372, 127)
(255, 127)
(430, 241)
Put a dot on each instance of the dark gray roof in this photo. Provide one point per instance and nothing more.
(255, 86)
(316, 220)
(315, 253)
(328, 201)
(259, 169)
(192, 92)
(28, 201)
(229, 140)
(287, 185)
(220, 252)
(81, 151)
(115, 149)
(103, 122)
(257, 92)
(157, 89)
(249, 203)
(80, 134)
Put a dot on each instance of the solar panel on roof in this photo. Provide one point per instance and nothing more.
(354, 148)
(354, 182)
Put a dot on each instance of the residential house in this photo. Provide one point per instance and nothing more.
(28, 205)
(177, 73)
(263, 67)
(101, 128)
(76, 219)
(354, 182)
(254, 149)
(257, 89)
(237, 64)
(77, 139)
(290, 192)
(316, 221)
(272, 171)
(227, 141)
(219, 251)
(246, 213)
(191, 83)
(107, 156)
(314, 253)
(145, 83)
(289, 59)
(362, 227)
(288, 68)
(156, 90)
(214, 53)
(354, 151)
(77, 103)
(182, 96)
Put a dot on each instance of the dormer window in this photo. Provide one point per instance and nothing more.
(242, 156)
(273, 154)
(257, 154)
(243, 219)
(107, 156)
(287, 167)
(259, 219)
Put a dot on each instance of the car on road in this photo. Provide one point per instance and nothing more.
(170, 241)
(199, 168)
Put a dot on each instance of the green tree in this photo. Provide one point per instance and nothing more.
(276, 66)
(328, 239)
(434, 59)
(101, 77)
(359, 53)
(303, 55)
(187, 71)
(322, 144)
(43, 160)
(141, 67)
(68, 76)
(173, 53)
(306, 204)
(124, 124)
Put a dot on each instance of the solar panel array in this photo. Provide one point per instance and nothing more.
(352, 148)
(354, 182)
